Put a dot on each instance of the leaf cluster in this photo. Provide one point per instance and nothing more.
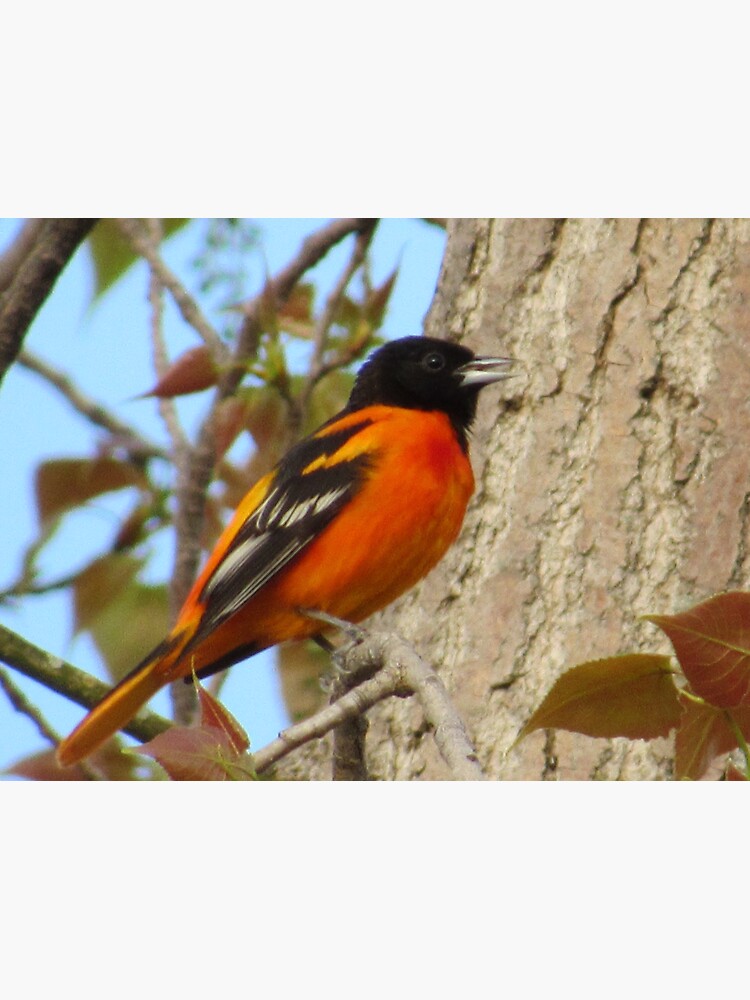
(705, 699)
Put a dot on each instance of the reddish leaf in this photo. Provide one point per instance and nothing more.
(705, 733)
(265, 417)
(215, 750)
(192, 371)
(215, 716)
(734, 774)
(295, 315)
(712, 643)
(133, 528)
(632, 695)
(107, 762)
(230, 419)
(64, 483)
(197, 753)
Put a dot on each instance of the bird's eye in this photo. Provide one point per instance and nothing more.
(433, 362)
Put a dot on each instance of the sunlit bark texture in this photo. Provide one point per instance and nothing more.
(613, 477)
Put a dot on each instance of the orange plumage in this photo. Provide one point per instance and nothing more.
(349, 520)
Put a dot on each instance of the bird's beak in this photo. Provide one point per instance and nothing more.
(484, 371)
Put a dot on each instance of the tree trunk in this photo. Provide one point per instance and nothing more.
(612, 477)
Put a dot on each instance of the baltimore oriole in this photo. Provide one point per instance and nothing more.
(351, 518)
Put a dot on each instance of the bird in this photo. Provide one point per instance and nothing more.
(352, 517)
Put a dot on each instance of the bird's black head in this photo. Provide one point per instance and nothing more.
(424, 373)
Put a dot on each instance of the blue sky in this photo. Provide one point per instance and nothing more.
(105, 347)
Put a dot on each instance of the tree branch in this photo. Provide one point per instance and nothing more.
(132, 441)
(398, 670)
(13, 257)
(143, 244)
(56, 242)
(67, 680)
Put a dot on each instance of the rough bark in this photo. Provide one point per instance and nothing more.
(612, 478)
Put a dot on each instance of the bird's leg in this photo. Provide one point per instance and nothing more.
(354, 633)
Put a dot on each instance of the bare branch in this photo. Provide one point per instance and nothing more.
(167, 408)
(349, 706)
(399, 670)
(133, 231)
(130, 439)
(318, 367)
(56, 242)
(313, 249)
(67, 680)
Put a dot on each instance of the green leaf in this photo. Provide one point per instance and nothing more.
(111, 253)
(328, 397)
(377, 300)
(712, 644)
(97, 586)
(130, 626)
(632, 695)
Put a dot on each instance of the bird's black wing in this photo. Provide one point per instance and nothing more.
(300, 503)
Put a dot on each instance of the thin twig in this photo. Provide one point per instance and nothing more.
(21, 703)
(76, 685)
(137, 446)
(278, 290)
(57, 240)
(133, 231)
(318, 367)
(167, 408)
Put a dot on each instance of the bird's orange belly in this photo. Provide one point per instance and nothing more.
(399, 525)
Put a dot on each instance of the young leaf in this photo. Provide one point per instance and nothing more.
(192, 371)
(704, 733)
(632, 695)
(296, 314)
(215, 750)
(197, 753)
(733, 773)
(99, 584)
(63, 483)
(131, 624)
(712, 643)
(107, 762)
(112, 254)
(215, 716)
(377, 299)
(229, 421)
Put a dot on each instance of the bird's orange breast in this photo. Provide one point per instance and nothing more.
(406, 514)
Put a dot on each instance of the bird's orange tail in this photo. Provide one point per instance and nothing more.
(118, 707)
